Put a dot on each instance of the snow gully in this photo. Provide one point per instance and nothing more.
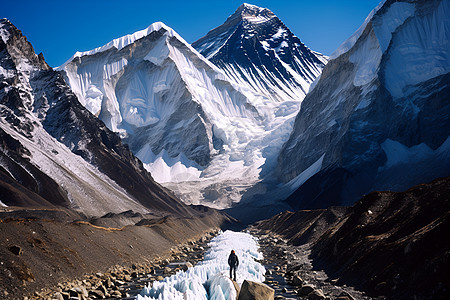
(209, 278)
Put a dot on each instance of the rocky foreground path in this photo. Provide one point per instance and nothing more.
(122, 282)
(290, 272)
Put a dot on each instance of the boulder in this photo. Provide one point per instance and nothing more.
(96, 294)
(16, 250)
(57, 296)
(116, 294)
(305, 290)
(316, 295)
(297, 281)
(256, 291)
(237, 288)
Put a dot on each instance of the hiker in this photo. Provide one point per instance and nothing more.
(233, 262)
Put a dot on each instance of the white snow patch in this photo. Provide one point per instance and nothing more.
(351, 41)
(4, 33)
(368, 56)
(398, 153)
(389, 22)
(367, 60)
(282, 45)
(265, 45)
(296, 182)
(279, 33)
(93, 99)
(209, 279)
(158, 53)
(169, 169)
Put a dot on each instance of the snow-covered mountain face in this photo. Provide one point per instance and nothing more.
(379, 117)
(197, 132)
(55, 152)
(255, 49)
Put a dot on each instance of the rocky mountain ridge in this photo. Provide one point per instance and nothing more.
(55, 152)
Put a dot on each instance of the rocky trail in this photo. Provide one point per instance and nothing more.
(291, 274)
(127, 282)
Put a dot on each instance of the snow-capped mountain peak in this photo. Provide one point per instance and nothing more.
(122, 42)
(175, 109)
(253, 13)
(256, 49)
(199, 128)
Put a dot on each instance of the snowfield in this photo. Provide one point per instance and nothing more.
(210, 278)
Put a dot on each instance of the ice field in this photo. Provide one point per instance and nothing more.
(209, 279)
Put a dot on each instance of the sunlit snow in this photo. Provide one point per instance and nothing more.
(158, 87)
(209, 279)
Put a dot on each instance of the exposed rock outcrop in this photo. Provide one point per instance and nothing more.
(255, 291)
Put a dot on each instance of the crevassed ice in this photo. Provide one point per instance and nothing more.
(209, 279)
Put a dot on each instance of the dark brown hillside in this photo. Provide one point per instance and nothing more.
(388, 244)
(393, 244)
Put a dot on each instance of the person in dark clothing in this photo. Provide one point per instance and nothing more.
(233, 262)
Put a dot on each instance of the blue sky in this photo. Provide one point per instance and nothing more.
(60, 28)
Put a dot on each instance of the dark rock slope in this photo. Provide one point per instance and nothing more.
(43, 249)
(388, 244)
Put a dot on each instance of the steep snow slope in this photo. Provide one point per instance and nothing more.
(53, 151)
(379, 117)
(195, 130)
(255, 49)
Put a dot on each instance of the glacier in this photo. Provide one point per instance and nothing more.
(198, 132)
(209, 279)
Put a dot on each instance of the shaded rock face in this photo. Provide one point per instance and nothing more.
(255, 291)
(21, 182)
(303, 227)
(55, 151)
(379, 118)
(388, 244)
(255, 48)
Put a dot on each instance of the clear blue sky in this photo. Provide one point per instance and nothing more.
(60, 28)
